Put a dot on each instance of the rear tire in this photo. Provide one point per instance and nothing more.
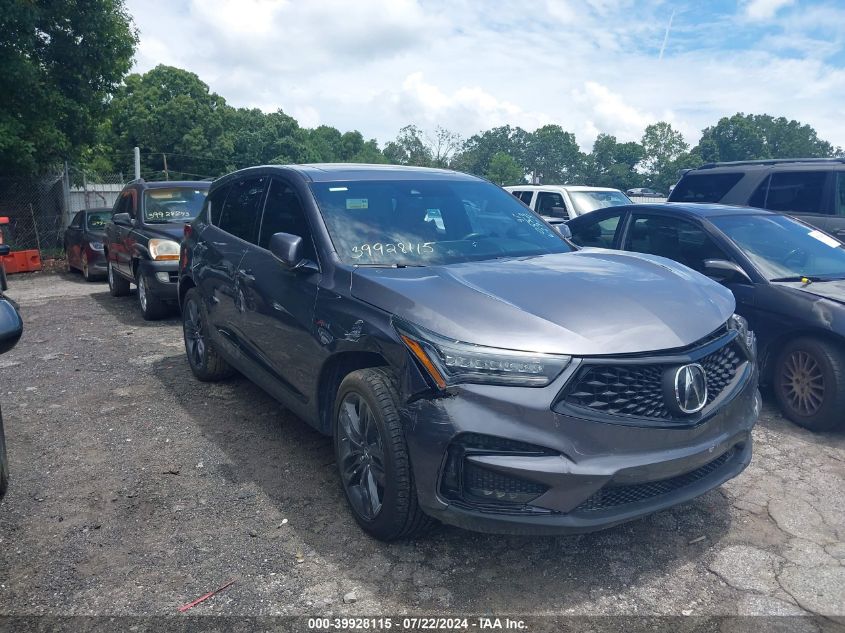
(152, 307)
(118, 286)
(809, 383)
(4, 283)
(206, 364)
(372, 456)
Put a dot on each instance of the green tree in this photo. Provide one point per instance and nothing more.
(665, 153)
(552, 154)
(478, 151)
(171, 111)
(504, 170)
(612, 164)
(409, 148)
(60, 61)
(760, 136)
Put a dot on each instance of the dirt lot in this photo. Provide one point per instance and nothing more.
(136, 489)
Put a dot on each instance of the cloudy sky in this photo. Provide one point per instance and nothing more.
(589, 65)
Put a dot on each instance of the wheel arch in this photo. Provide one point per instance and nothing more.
(334, 370)
(769, 355)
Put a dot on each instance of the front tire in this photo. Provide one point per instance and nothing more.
(206, 364)
(152, 307)
(809, 383)
(118, 286)
(372, 456)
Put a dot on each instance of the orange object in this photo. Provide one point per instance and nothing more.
(21, 261)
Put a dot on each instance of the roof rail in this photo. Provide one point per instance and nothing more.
(772, 161)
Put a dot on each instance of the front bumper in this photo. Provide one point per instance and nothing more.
(592, 474)
(162, 278)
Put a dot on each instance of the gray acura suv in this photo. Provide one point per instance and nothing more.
(471, 364)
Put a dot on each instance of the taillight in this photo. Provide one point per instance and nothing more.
(189, 230)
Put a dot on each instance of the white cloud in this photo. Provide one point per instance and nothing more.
(764, 9)
(588, 65)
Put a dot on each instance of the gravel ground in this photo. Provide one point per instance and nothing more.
(136, 488)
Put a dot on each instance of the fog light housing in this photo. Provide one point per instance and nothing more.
(163, 277)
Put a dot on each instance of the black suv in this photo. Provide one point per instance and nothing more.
(469, 362)
(141, 244)
(812, 189)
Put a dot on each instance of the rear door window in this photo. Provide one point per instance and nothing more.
(704, 187)
(526, 196)
(241, 211)
(797, 191)
(673, 238)
(599, 234)
(840, 194)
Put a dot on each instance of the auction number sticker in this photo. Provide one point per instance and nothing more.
(406, 248)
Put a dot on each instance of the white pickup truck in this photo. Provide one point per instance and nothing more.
(567, 201)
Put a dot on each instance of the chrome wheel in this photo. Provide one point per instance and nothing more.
(142, 292)
(803, 384)
(361, 456)
(194, 339)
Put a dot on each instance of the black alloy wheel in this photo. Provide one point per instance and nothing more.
(372, 456)
(206, 364)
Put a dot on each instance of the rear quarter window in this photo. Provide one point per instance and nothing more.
(704, 187)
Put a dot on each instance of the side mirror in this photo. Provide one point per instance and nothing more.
(724, 270)
(123, 219)
(5, 249)
(288, 248)
(564, 230)
(11, 326)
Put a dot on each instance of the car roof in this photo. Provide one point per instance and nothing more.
(566, 187)
(331, 172)
(162, 184)
(697, 209)
(775, 163)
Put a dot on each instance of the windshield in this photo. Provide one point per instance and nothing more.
(405, 222)
(98, 221)
(586, 201)
(172, 204)
(781, 247)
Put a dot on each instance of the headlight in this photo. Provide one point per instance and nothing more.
(451, 362)
(740, 324)
(164, 250)
(96, 246)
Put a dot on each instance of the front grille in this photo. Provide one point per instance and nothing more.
(613, 496)
(637, 390)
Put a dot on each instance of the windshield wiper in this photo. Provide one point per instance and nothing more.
(390, 265)
(807, 279)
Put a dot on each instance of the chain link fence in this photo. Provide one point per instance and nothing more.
(40, 208)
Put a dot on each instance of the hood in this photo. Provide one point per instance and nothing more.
(833, 290)
(96, 236)
(165, 231)
(585, 303)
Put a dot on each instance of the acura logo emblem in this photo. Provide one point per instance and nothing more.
(690, 388)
